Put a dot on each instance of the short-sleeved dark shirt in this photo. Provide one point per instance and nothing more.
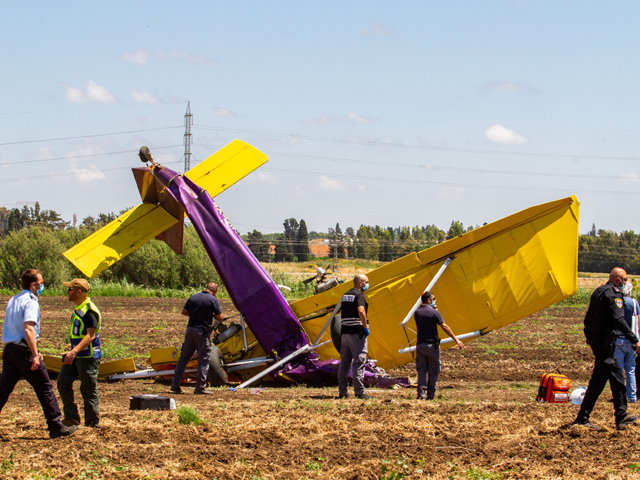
(427, 320)
(351, 300)
(202, 307)
(604, 320)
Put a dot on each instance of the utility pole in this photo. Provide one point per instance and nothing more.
(188, 120)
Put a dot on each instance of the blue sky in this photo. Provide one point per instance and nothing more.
(380, 113)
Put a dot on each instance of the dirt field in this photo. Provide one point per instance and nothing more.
(484, 424)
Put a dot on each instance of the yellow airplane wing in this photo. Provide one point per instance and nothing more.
(119, 238)
(160, 215)
(500, 273)
(225, 167)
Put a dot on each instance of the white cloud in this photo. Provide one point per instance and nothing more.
(323, 120)
(327, 183)
(351, 117)
(264, 177)
(142, 56)
(94, 93)
(371, 140)
(224, 113)
(631, 177)
(377, 29)
(86, 175)
(509, 87)
(504, 136)
(144, 97)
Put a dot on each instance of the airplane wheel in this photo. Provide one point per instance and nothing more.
(216, 376)
(336, 332)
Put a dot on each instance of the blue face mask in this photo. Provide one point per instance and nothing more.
(366, 287)
(40, 289)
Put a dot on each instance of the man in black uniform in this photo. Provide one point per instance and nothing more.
(427, 319)
(201, 308)
(355, 331)
(603, 323)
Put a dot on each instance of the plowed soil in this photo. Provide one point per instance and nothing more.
(484, 423)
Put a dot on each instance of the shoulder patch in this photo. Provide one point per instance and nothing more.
(619, 302)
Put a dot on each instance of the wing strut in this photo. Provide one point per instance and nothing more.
(464, 336)
(429, 287)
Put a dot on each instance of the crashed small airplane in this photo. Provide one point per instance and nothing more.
(486, 279)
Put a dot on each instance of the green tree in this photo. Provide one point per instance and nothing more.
(35, 247)
(301, 249)
(258, 245)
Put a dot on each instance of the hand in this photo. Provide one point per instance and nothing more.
(35, 362)
(366, 332)
(68, 357)
(637, 347)
(460, 345)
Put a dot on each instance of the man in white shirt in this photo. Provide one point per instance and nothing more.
(21, 359)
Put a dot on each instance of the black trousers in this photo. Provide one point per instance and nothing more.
(606, 367)
(16, 364)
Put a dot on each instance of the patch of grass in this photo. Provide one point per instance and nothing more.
(188, 416)
(576, 329)
(581, 298)
(473, 474)
(394, 468)
(634, 467)
(315, 465)
(111, 348)
(7, 464)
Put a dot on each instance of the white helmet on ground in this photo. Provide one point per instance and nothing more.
(577, 396)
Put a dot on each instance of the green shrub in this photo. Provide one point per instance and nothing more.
(188, 416)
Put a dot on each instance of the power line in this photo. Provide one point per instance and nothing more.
(89, 136)
(68, 174)
(433, 167)
(414, 147)
(451, 184)
(90, 155)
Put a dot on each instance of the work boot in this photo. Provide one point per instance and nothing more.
(202, 392)
(364, 396)
(70, 422)
(63, 432)
(177, 390)
(588, 424)
(343, 396)
(626, 421)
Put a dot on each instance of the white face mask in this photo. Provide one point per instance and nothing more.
(626, 289)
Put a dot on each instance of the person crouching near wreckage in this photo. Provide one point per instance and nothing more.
(355, 330)
(427, 319)
(603, 323)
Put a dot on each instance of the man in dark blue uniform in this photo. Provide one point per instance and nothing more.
(201, 308)
(427, 319)
(355, 330)
(603, 323)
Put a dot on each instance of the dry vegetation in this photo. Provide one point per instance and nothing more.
(485, 423)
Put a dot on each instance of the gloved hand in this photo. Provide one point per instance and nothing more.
(366, 332)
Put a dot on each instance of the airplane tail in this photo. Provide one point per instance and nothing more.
(160, 216)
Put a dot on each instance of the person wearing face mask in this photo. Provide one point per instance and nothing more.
(82, 361)
(21, 359)
(603, 323)
(625, 352)
(354, 333)
(427, 320)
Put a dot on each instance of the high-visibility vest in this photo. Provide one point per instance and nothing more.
(93, 350)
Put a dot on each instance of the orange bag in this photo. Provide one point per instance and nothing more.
(554, 388)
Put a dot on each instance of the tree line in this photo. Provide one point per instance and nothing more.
(33, 237)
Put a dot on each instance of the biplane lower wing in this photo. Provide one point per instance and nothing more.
(500, 273)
